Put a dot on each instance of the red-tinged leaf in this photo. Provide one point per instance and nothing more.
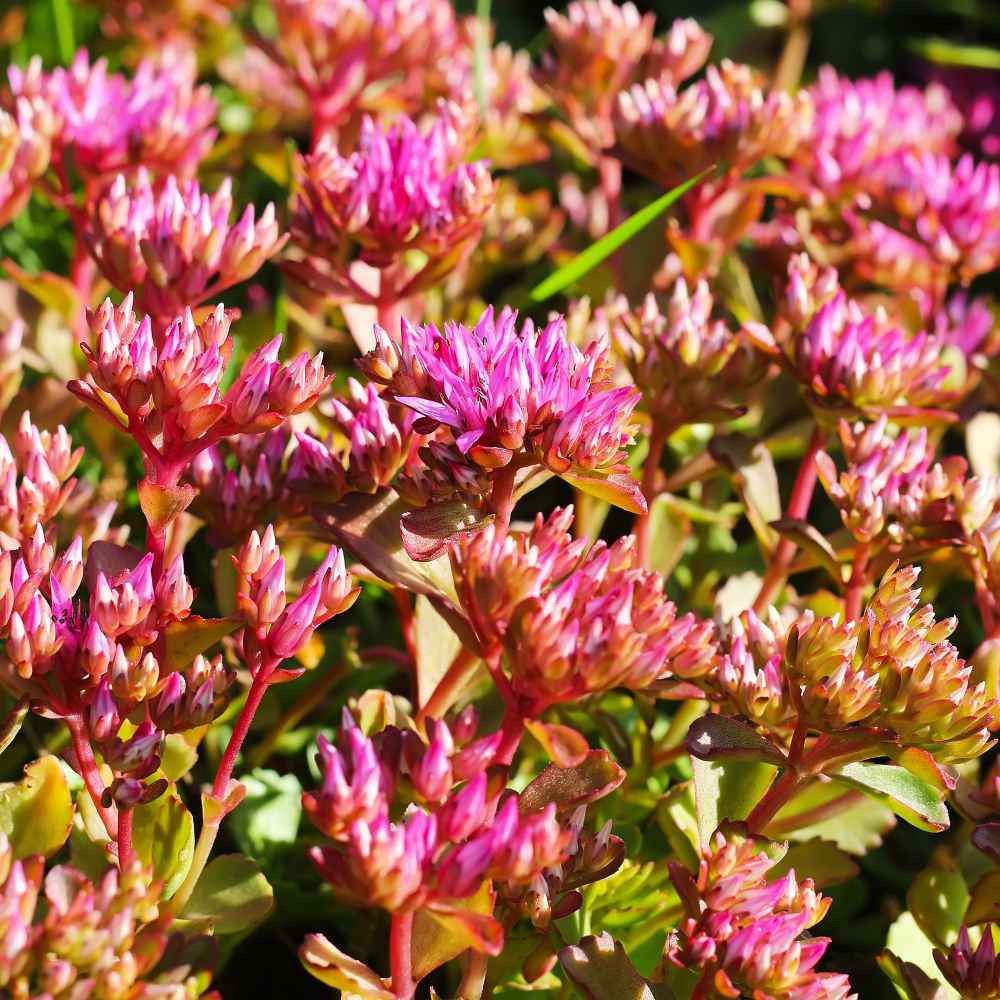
(720, 737)
(187, 638)
(921, 764)
(565, 746)
(444, 929)
(984, 903)
(427, 531)
(809, 539)
(110, 559)
(909, 797)
(330, 965)
(617, 488)
(753, 472)
(600, 969)
(592, 779)
(986, 838)
(11, 725)
(50, 290)
(161, 504)
(369, 528)
(831, 752)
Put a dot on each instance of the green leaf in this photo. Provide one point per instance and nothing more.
(600, 969)
(984, 903)
(938, 899)
(481, 55)
(270, 812)
(163, 837)
(911, 982)
(910, 798)
(727, 790)
(822, 861)
(809, 539)
(232, 895)
(669, 530)
(753, 471)
(609, 243)
(436, 646)
(618, 488)
(36, 813)
(186, 639)
(826, 810)
(50, 290)
(62, 15)
(944, 52)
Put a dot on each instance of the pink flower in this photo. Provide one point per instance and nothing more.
(25, 145)
(743, 934)
(402, 189)
(726, 119)
(174, 247)
(975, 974)
(503, 395)
(607, 624)
(858, 123)
(159, 119)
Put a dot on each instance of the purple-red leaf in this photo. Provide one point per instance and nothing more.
(598, 775)
(720, 737)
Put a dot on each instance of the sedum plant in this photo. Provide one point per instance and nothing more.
(423, 573)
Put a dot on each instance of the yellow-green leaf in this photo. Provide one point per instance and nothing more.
(36, 813)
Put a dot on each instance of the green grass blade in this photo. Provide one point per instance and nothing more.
(945, 53)
(481, 54)
(62, 15)
(588, 259)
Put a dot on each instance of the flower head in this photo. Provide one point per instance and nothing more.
(743, 934)
(402, 189)
(973, 972)
(25, 146)
(169, 383)
(504, 395)
(159, 119)
(599, 48)
(889, 485)
(858, 123)
(174, 245)
(607, 624)
(687, 364)
(726, 118)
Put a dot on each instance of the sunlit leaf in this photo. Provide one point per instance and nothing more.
(232, 895)
(36, 813)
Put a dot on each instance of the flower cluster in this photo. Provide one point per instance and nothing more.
(744, 934)
(175, 243)
(65, 936)
(440, 853)
(107, 123)
(507, 398)
(402, 190)
(726, 119)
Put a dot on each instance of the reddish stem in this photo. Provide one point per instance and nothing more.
(502, 499)
(650, 469)
(856, 585)
(92, 779)
(126, 853)
(777, 795)
(401, 955)
(444, 694)
(798, 507)
(255, 695)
